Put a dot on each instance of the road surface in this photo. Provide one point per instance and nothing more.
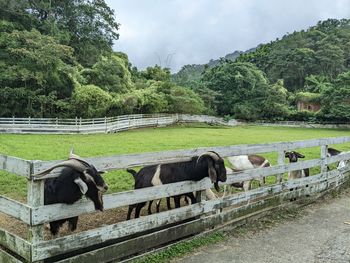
(319, 235)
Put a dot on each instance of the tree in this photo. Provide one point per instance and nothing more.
(184, 100)
(243, 90)
(111, 73)
(34, 65)
(336, 99)
(88, 26)
(91, 102)
(156, 73)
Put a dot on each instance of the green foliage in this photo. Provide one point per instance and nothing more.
(184, 100)
(244, 91)
(110, 73)
(336, 99)
(89, 27)
(308, 97)
(321, 50)
(156, 73)
(307, 116)
(33, 66)
(91, 101)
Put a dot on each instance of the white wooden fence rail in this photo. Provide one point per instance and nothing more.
(35, 214)
(100, 125)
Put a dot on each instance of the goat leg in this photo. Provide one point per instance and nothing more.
(131, 207)
(168, 203)
(149, 209)
(138, 209)
(72, 222)
(158, 205)
(177, 201)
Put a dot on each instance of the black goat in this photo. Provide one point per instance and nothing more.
(209, 164)
(293, 158)
(76, 179)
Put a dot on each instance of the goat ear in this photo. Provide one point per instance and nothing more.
(82, 185)
(286, 154)
(88, 177)
(300, 155)
(212, 173)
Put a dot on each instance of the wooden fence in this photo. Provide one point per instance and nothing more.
(99, 125)
(123, 239)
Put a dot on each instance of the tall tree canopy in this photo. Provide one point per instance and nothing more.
(243, 90)
(88, 26)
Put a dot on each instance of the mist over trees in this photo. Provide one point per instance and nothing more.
(57, 61)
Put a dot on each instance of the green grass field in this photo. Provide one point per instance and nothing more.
(53, 147)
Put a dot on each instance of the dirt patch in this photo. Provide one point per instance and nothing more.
(86, 222)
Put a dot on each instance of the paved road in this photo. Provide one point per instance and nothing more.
(320, 236)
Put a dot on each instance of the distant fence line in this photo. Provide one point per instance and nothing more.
(304, 124)
(127, 122)
(100, 125)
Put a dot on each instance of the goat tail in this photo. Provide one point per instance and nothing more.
(133, 172)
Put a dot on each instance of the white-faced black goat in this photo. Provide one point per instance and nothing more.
(247, 162)
(209, 164)
(76, 179)
(293, 157)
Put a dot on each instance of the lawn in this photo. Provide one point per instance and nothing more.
(184, 136)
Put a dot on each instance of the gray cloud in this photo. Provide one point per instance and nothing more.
(192, 32)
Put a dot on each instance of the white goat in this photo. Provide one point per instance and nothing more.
(247, 162)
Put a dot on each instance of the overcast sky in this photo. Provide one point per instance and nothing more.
(174, 33)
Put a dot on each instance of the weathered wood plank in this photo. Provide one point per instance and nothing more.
(88, 238)
(57, 246)
(14, 243)
(15, 165)
(42, 214)
(35, 197)
(15, 209)
(7, 258)
(47, 213)
(131, 160)
(143, 243)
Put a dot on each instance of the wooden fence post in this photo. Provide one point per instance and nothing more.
(35, 198)
(324, 151)
(201, 198)
(280, 161)
(106, 124)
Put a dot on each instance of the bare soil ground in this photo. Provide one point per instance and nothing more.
(86, 222)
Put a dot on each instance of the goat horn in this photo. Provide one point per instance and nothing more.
(73, 156)
(211, 154)
(72, 163)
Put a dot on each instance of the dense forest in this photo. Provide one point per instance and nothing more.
(57, 61)
(266, 82)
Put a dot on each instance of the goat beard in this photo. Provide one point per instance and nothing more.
(100, 204)
(216, 185)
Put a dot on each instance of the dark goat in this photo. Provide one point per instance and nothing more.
(76, 179)
(293, 157)
(209, 164)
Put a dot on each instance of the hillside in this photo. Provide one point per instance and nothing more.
(193, 72)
